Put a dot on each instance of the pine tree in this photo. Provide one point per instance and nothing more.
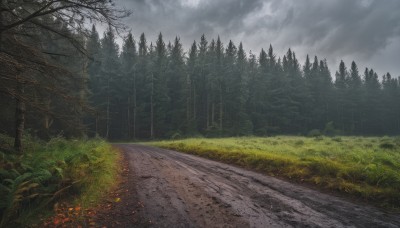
(161, 100)
(209, 78)
(276, 99)
(391, 106)
(230, 80)
(237, 120)
(93, 48)
(178, 89)
(354, 96)
(219, 70)
(252, 109)
(295, 90)
(258, 94)
(128, 66)
(341, 90)
(203, 81)
(244, 124)
(372, 103)
(192, 80)
(325, 95)
(143, 89)
(110, 82)
(311, 73)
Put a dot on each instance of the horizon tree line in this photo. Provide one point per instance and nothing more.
(151, 90)
(156, 90)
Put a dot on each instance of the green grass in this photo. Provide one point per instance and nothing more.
(76, 171)
(364, 167)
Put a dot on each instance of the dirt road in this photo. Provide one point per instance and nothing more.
(180, 190)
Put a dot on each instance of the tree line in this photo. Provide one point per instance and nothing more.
(59, 78)
(157, 90)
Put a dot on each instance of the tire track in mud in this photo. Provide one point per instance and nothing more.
(181, 190)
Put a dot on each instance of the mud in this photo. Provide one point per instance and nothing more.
(179, 190)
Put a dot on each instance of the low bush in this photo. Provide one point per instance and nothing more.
(314, 133)
(337, 139)
(387, 145)
(78, 171)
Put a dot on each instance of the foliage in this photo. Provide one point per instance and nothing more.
(330, 129)
(218, 90)
(358, 166)
(49, 172)
(314, 133)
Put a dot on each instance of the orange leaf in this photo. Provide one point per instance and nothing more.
(66, 220)
(77, 208)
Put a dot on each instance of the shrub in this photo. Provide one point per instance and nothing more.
(299, 143)
(56, 170)
(337, 139)
(387, 145)
(314, 133)
(176, 135)
(330, 129)
(319, 138)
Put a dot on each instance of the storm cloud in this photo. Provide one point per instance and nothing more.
(367, 31)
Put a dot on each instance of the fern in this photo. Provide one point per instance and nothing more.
(44, 173)
(41, 176)
(18, 190)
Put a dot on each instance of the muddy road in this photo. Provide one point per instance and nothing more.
(180, 190)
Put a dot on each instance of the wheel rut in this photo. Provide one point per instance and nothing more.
(181, 190)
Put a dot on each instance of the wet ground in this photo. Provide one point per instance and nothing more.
(165, 188)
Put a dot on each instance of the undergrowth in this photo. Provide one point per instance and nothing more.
(364, 167)
(45, 173)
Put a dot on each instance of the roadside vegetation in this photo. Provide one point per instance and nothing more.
(34, 183)
(364, 167)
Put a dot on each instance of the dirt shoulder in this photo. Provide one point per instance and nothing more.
(165, 188)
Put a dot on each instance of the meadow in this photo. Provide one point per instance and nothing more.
(367, 168)
(49, 176)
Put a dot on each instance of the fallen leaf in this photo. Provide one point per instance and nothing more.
(65, 220)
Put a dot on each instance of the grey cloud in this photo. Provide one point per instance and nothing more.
(358, 29)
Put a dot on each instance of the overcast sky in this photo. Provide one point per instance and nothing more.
(367, 31)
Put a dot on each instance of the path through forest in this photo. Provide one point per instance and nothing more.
(172, 189)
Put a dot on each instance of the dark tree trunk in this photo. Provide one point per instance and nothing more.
(129, 117)
(19, 118)
(134, 104)
(97, 124)
(220, 108)
(152, 108)
(108, 109)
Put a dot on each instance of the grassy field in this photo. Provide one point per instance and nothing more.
(78, 172)
(365, 167)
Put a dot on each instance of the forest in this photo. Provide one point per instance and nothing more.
(65, 90)
(152, 90)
